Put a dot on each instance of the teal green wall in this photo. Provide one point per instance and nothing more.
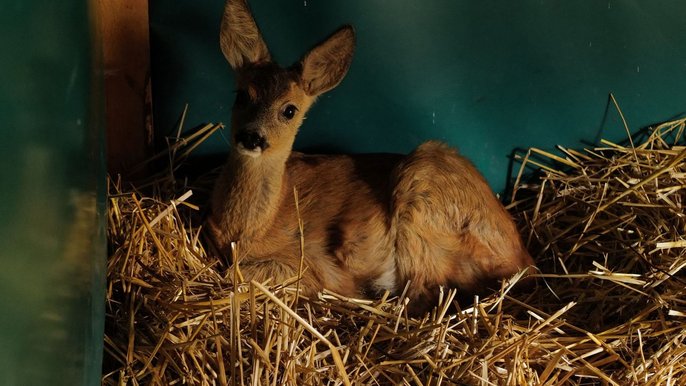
(487, 76)
(52, 249)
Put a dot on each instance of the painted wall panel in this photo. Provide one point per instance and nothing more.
(52, 247)
(486, 76)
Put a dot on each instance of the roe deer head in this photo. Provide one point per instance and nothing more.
(371, 222)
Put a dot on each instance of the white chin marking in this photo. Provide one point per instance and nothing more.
(250, 153)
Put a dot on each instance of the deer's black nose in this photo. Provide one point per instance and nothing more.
(251, 140)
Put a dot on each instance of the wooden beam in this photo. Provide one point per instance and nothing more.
(128, 104)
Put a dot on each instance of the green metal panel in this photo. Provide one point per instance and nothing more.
(486, 76)
(51, 197)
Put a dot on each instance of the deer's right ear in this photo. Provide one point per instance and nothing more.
(324, 67)
(240, 39)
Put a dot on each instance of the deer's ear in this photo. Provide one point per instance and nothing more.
(240, 39)
(325, 65)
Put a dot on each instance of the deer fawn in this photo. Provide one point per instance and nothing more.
(371, 222)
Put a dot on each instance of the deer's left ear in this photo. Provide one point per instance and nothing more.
(240, 39)
(324, 67)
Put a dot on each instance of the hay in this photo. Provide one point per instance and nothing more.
(606, 226)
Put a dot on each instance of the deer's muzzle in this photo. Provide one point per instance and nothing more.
(251, 141)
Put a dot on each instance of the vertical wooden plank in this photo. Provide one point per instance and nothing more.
(52, 225)
(126, 60)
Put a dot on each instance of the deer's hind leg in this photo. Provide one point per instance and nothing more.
(450, 230)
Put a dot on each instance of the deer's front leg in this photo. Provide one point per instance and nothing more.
(273, 270)
(277, 271)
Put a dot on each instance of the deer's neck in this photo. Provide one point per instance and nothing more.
(247, 196)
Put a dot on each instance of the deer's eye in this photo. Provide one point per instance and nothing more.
(242, 98)
(289, 111)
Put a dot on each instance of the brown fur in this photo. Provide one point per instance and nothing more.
(371, 222)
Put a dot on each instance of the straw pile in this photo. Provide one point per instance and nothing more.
(606, 226)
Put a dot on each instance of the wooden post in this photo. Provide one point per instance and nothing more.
(128, 104)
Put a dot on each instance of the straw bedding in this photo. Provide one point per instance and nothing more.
(606, 226)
